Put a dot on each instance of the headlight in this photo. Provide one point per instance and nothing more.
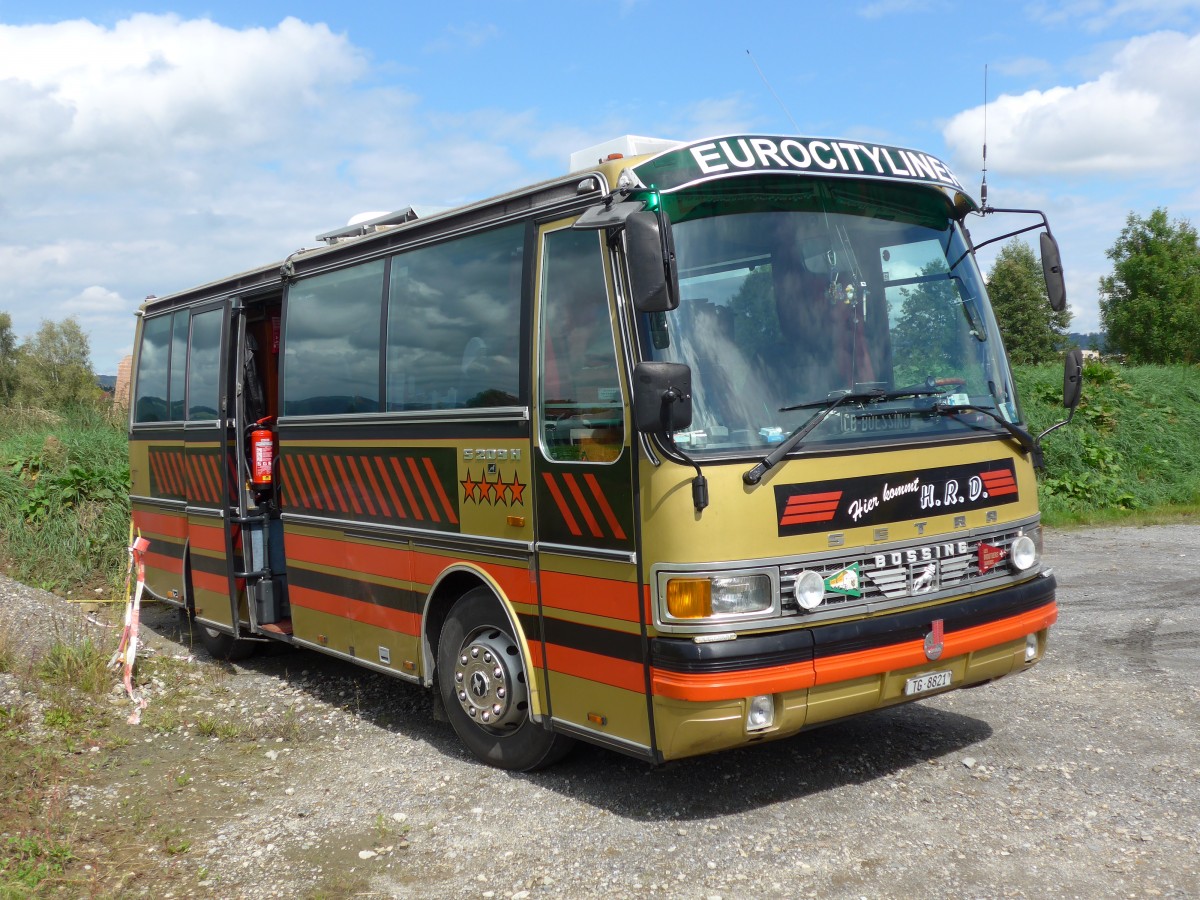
(719, 596)
(810, 589)
(1023, 553)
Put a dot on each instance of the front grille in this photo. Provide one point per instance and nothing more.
(924, 570)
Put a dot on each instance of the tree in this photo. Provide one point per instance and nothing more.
(1150, 304)
(54, 367)
(8, 360)
(1031, 330)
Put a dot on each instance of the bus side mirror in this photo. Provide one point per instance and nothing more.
(1056, 287)
(1072, 378)
(662, 397)
(652, 273)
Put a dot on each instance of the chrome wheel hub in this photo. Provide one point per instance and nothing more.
(489, 681)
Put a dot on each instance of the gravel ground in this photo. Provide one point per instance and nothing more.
(1078, 779)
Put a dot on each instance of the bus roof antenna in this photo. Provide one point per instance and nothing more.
(772, 90)
(983, 187)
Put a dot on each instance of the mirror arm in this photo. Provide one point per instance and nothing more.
(699, 483)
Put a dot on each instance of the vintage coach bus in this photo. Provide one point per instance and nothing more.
(700, 445)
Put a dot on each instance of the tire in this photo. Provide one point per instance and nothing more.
(218, 644)
(483, 684)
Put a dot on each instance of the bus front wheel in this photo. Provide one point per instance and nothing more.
(485, 689)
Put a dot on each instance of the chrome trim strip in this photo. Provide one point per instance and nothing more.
(173, 505)
(621, 745)
(205, 512)
(623, 556)
(357, 660)
(410, 417)
(403, 534)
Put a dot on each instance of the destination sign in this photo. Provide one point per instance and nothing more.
(755, 154)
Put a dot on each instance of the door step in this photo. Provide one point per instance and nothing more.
(282, 627)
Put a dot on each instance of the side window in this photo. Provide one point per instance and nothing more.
(204, 367)
(454, 323)
(150, 404)
(179, 339)
(331, 342)
(579, 395)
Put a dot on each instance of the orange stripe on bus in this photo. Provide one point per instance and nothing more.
(416, 473)
(846, 667)
(597, 596)
(605, 509)
(361, 485)
(441, 492)
(208, 581)
(204, 537)
(337, 461)
(376, 492)
(388, 486)
(898, 656)
(730, 685)
(386, 562)
(608, 670)
(323, 461)
(170, 564)
(312, 475)
(582, 504)
(561, 502)
(408, 494)
(355, 610)
(160, 523)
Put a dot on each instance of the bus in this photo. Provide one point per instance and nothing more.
(700, 445)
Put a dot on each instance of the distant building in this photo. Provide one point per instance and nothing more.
(124, 373)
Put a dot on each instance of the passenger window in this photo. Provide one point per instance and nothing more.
(332, 342)
(579, 396)
(204, 367)
(150, 405)
(179, 340)
(454, 323)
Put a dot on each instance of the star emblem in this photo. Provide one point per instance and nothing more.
(515, 489)
(470, 488)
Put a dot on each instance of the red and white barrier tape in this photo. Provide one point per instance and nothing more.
(127, 648)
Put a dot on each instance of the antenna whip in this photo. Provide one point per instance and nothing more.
(772, 90)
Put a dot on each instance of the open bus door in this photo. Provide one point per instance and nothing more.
(593, 626)
(211, 474)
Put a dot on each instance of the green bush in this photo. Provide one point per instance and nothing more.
(1131, 447)
(64, 497)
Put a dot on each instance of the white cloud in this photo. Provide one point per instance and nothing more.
(1098, 15)
(1140, 116)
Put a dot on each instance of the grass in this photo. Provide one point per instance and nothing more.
(64, 498)
(1129, 454)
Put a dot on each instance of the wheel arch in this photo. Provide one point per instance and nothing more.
(454, 582)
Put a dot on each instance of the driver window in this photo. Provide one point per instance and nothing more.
(579, 392)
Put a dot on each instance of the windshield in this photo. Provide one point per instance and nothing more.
(796, 291)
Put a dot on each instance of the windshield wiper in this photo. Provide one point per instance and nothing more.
(754, 476)
(1023, 437)
(872, 396)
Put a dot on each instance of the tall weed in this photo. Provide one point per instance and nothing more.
(64, 497)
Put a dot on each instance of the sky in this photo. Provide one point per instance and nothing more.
(146, 149)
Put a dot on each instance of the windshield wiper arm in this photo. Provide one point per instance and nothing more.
(1023, 437)
(754, 476)
(871, 396)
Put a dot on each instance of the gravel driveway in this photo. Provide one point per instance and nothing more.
(1078, 779)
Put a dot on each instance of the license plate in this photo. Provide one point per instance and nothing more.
(930, 682)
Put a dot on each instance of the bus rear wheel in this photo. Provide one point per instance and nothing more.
(218, 644)
(485, 689)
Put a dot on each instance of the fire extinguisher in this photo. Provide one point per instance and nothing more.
(262, 452)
